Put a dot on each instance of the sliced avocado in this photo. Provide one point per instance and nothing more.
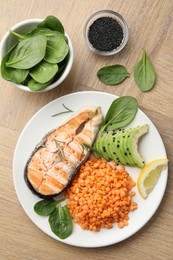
(106, 146)
(125, 149)
(96, 146)
(121, 146)
(132, 143)
(115, 149)
(108, 140)
(100, 148)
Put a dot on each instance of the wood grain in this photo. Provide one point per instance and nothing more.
(151, 27)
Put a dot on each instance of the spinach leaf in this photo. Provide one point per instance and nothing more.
(34, 85)
(57, 47)
(60, 222)
(112, 75)
(52, 23)
(45, 207)
(120, 113)
(11, 74)
(43, 72)
(144, 74)
(28, 53)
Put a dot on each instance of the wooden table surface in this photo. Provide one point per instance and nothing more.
(151, 27)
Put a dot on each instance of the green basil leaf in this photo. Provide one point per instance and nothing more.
(120, 113)
(52, 23)
(60, 222)
(112, 75)
(11, 74)
(28, 53)
(43, 72)
(45, 207)
(144, 74)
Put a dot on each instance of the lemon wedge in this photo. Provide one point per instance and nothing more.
(149, 176)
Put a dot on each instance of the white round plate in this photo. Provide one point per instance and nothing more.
(150, 146)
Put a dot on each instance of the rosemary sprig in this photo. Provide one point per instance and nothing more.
(90, 148)
(68, 110)
(58, 146)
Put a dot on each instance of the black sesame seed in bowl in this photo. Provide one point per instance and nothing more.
(106, 32)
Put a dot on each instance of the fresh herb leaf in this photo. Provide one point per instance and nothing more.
(59, 147)
(112, 75)
(46, 207)
(11, 74)
(120, 113)
(144, 74)
(68, 110)
(61, 222)
(57, 48)
(27, 53)
(90, 148)
(43, 72)
(34, 85)
(52, 23)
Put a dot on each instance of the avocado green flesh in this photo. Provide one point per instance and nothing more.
(97, 147)
(122, 146)
(125, 150)
(133, 141)
(116, 148)
(106, 145)
(126, 147)
(108, 141)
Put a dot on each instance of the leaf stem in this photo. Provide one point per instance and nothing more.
(58, 146)
(68, 110)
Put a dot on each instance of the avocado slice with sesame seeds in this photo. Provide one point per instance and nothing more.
(96, 147)
(125, 148)
(108, 141)
(116, 150)
(122, 146)
(131, 143)
(105, 144)
(100, 147)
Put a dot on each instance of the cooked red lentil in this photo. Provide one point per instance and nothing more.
(100, 195)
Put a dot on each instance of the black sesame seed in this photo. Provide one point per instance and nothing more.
(105, 34)
(118, 145)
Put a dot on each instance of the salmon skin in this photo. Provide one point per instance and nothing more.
(61, 152)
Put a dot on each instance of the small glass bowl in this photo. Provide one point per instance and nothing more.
(116, 16)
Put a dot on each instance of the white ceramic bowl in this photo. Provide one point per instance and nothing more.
(24, 27)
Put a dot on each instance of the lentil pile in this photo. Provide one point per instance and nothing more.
(101, 195)
(105, 34)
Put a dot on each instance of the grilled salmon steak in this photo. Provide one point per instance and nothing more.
(61, 152)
